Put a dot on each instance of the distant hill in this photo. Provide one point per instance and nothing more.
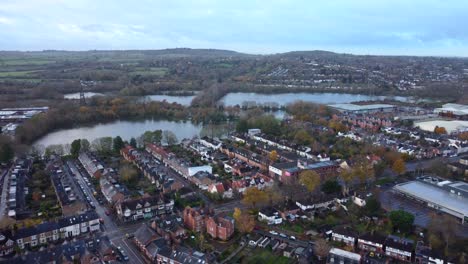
(126, 54)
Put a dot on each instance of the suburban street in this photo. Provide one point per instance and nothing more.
(3, 201)
(115, 233)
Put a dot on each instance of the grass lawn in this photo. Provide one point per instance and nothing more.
(265, 256)
(296, 227)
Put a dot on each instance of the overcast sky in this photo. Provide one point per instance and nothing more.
(406, 27)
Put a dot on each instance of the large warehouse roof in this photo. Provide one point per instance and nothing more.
(456, 109)
(435, 195)
(355, 107)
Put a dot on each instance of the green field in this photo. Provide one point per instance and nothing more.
(15, 74)
(153, 71)
(32, 80)
(22, 62)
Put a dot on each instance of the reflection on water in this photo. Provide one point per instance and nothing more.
(125, 129)
(180, 99)
(252, 99)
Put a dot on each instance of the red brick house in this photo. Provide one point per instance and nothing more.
(128, 153)
(194, 219)
(221, 227)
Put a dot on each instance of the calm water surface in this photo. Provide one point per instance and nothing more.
(180, 99)
(232, 99)
(125, 129)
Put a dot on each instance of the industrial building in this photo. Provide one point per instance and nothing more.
(445, 196)
(362, 109)
(453, 110)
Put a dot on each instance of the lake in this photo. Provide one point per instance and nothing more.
(180, 99)
(76, 96)
(125, 129)
(282, 99)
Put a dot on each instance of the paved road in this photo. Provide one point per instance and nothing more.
(116, 234)
(3, 201)
(229, 206)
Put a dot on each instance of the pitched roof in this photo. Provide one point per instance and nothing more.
(144, 234)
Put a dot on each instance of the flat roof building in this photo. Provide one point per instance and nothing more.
(458, 110)
(337, 255)
(371, 108)
(438, 197)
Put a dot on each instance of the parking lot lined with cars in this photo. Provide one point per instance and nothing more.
(274, 235)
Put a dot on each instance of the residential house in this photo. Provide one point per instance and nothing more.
(345, 235)
(340, 256)
(180, 255)
(143, 208)
(289, 210)
(399, 248)
(67, 227)
(425, 255)
(371, 243)
(221, 227)
(143, 236)
(194, 219)
(251, 158)
(90, 164)
(6, 244)
(169, 227)
(202, 179)
(110, 192)
(154, 248)
(210, 143)
(270, 215)
(129, 153)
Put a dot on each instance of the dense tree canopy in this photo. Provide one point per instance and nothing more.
(75, 148)
(6, 149)
(402, 220)
(118, 144)
(310, 179)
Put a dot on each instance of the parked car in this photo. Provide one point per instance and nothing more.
(273, 232)
(283, 235)
(292, 237)
(122, 253)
